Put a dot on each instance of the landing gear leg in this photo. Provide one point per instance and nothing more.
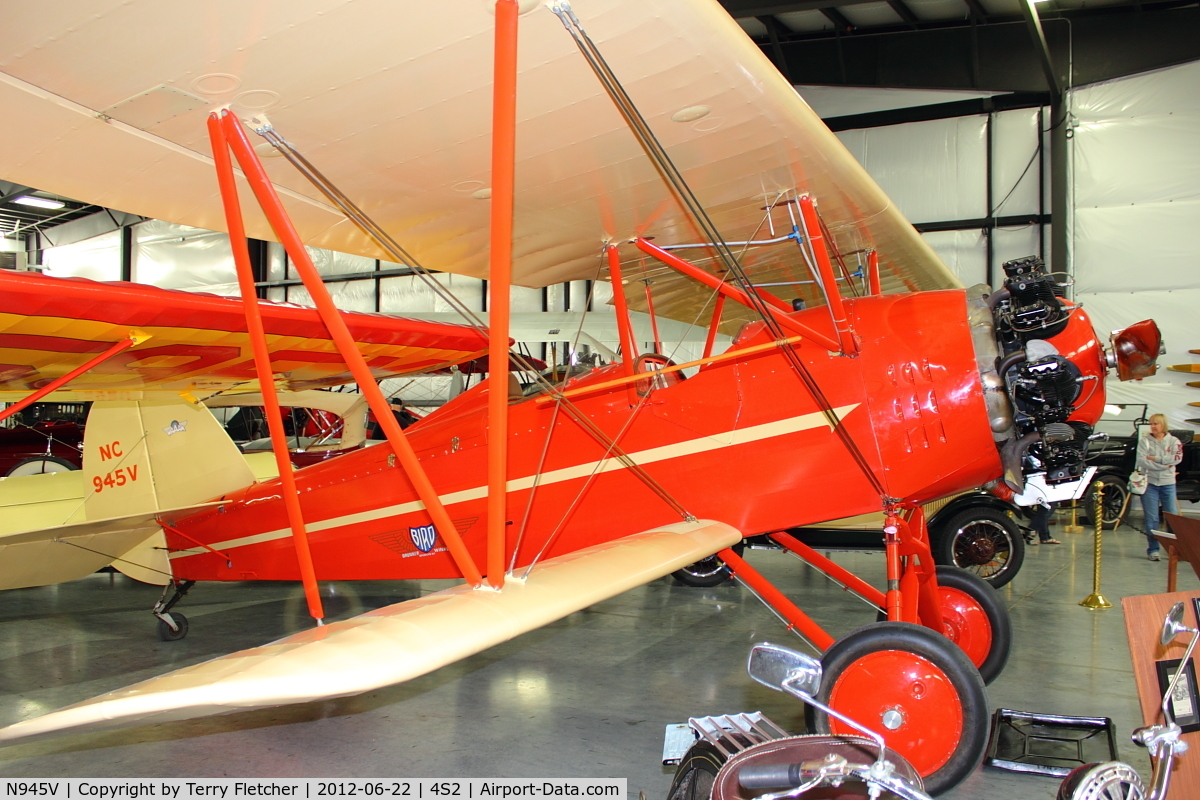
(172, 626)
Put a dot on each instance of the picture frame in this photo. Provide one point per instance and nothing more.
(1185, 704)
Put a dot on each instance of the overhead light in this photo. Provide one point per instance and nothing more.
(39, 202)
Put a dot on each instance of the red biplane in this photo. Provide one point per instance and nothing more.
(654, 142)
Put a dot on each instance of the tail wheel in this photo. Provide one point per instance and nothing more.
(918, 690)
(975, 619)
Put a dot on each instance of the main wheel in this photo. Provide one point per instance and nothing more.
(916, 689)
(985, 541)
(39, 465)
(696, 772)
(975, 619)
(164, 630)
(1114, 491)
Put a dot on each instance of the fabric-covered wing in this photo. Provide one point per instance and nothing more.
(395, 110)
(49, 326)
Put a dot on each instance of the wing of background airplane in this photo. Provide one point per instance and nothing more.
(395, 110)
(198, 343)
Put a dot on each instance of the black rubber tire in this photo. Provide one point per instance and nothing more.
(696, 772)
(982, 540)
(707, 572)
(953, 664)
(1115, 490)
(997, 614)
(23, 467)
(164, 630)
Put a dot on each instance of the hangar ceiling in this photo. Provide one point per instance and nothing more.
(967, 44)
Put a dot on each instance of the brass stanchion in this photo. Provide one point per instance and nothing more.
(1074, 527)
(1095, 599)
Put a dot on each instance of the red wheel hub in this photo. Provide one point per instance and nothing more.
(906, 698)
(966, 624)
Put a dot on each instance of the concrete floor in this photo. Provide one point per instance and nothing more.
(585, 697)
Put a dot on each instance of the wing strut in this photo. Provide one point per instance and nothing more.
(264, 190)
(504, 153)
(262, 366)
(135, 337)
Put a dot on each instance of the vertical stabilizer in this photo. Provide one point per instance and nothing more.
(147, 455)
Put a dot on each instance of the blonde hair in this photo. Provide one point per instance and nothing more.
(1161, 419)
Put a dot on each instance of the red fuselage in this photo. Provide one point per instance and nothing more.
(742, 441)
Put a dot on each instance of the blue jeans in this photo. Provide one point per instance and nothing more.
(1155, 499)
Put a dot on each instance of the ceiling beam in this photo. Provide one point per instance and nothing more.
(776, 31)
(839, 21)
(764, 8)
(977, 9)
(1034, 24)
(1104, 47)
(905, 12)
(15, 191)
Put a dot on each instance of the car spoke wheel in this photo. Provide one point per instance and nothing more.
(916, 689)
(1114, 492)
(984, 541)
(975, 619)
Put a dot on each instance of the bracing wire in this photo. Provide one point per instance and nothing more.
(384, 240)
(692, 206)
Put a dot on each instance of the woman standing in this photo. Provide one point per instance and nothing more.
(1157, 454)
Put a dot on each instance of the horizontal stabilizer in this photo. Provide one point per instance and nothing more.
(66, 552)
(392, 644)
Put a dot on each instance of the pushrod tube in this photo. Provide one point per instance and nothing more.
(262, 366)
(504, 133)
(273, 208)
(135, 337)
(773, 306)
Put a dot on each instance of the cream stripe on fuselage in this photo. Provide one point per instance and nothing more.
(703, 444)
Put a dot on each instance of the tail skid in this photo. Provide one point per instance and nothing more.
(395, 643)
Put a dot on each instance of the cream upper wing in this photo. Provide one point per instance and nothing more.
(392, 102)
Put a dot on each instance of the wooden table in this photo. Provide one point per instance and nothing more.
(1144, 616)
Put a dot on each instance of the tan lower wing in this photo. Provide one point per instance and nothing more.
(396, 643)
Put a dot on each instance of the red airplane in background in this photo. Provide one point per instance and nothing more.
(548, 502)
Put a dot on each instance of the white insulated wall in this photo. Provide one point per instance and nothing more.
(938, 171)
(1137, 215)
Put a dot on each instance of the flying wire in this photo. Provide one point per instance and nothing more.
(691, 204)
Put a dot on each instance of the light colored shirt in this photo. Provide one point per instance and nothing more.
(1167, 452)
